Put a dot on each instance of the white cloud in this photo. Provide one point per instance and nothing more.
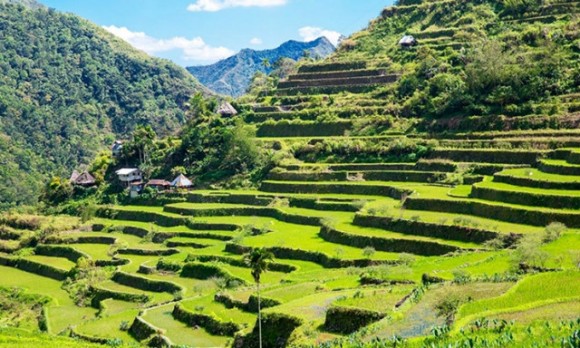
(193, 49)
(218, 5)
(313, 33)
(256, 41)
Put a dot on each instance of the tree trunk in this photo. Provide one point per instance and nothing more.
(259, 316)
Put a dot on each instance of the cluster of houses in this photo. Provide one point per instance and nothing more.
(133, 178)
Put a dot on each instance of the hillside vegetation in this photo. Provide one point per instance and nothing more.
(477, 58)
(67, 90)
(390, 226)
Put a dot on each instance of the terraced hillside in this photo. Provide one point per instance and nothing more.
(483, 65)
(355, 244)
(388, 228)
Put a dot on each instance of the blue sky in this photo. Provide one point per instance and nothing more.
(198, 32)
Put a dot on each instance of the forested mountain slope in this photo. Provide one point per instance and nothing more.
(67, 89)
(232, 76)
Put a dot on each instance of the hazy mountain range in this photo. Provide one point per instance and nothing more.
(233, 75)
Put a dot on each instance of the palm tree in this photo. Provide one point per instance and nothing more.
(266, 63)
(258, 260)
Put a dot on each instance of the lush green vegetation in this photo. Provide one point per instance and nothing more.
(68, 90)
(476, 58)
(384, 230)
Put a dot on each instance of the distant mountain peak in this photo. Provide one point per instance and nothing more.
(233, 75)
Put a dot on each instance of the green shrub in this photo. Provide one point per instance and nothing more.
(124, 326)
(338, 66)
(142, 330)
(461, 277)
(68, 253)
(447, 306)
(368, 252)
(338, 188)
(553, 231)
(204, 271)
(170, 266)
(303, 129)
(277, 329)
(21, 222)
(35, 267)
(347, 320)
(311, 256)
(528, 253)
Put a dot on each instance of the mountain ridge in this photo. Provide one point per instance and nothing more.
(68, 88)
(233, 75)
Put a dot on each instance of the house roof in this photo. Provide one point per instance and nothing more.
(181, 181)
(126, 171)
(226, 109)
(407, 40)
(73, 177)
(117, 145)
(85, 179)
(158, 182)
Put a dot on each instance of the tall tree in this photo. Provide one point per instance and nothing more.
(143, 139)
(258, 260)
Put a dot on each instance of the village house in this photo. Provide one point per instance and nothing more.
(408, 41)
(135, 188)
(182, 182)
(227, 110)
(129, 175)
(84, 179)
(159, 185)
(117, 148)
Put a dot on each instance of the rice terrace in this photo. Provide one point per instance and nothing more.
(417, 187)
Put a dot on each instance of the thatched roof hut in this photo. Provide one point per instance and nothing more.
(83, 179)
(408, 41)
(73, 177)
(226, 109)
(182, 182)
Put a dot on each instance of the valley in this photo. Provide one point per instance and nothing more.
(421, 196)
